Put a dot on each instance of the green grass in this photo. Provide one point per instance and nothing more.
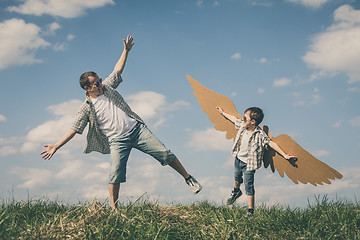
(45, 219)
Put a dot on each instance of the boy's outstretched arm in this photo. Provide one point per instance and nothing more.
(52, 148)
(277, 148)
(226, 115)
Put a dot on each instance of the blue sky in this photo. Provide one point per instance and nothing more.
(296, 59)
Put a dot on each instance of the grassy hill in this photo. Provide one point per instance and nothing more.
(44, 219)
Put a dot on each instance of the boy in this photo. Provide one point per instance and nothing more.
(248, 150)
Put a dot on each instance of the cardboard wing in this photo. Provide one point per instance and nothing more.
(307, 168)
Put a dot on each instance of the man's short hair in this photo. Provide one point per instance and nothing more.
(84, 79)
(256, 113)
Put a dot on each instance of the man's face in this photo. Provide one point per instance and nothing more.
(95, 88)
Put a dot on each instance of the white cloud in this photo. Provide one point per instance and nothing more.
(354, 89)
(261, 3)
(153, 106)
(19, 42)
(59, 47)
(64, 8)
(308, 99)
(337, 124)
(51, 28)
(11, 140)
(320, 153)
(320, 75)
(236, 56)
(310, 3)
(260, 90)
(2, 118)
(209, 139)
(281, 82)
(355, 122)
(52, 130)
(338, 47)
(34, 179)
(262, 60)
(70, 37)
(8, 150)
(199, 3)
(270, 187)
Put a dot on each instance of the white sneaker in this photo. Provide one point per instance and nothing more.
(194, 185)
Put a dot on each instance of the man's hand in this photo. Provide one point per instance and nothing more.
(128, 43)
(49, 152)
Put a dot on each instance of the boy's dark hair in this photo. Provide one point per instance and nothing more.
(84, 80)
(256, 114)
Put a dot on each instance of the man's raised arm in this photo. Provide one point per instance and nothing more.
(122, 60)
(52, 148)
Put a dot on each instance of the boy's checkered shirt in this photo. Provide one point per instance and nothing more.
(258, 143)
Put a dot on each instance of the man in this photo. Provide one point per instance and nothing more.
(114, 128)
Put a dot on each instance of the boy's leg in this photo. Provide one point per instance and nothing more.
(114, 194)
(250, 190)
(236, 193)
(251, 202)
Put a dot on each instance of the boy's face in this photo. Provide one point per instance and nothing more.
(248, 122)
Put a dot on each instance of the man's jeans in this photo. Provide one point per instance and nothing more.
(141, 138)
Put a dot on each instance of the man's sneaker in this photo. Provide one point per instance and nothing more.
(194, 185)
(234, 196)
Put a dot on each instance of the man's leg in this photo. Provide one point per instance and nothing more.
(177, 166)
(148, 143)
(114, 194)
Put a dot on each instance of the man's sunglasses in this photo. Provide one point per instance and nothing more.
(97, 83)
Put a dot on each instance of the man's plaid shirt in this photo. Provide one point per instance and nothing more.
(258, 142)
(96, 140)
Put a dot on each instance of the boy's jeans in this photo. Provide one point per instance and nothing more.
(243, 176)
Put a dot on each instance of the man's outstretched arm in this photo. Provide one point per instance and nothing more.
(122, 60)
(52, 148)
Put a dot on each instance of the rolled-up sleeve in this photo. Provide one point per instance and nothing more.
(238, 123)
(114, 79)
(82, 118)
(265, 140)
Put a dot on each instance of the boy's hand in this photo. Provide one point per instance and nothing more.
(219, 109)
(289, 157)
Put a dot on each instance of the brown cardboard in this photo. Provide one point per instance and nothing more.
(307, 168)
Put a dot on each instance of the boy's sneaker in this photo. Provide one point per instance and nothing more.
(249, 215)
(194, 185)
(234, 196)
